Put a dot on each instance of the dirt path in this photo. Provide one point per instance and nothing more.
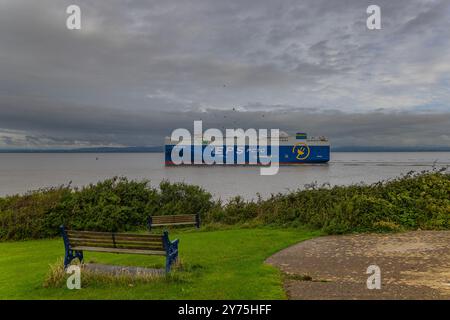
(414, 265)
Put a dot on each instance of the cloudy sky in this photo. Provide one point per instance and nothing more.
(139, 69)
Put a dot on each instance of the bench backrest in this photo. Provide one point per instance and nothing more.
(115, 240)
(174, 220)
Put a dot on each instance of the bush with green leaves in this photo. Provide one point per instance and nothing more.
(116, 204)
(414, 201)
(23, 217)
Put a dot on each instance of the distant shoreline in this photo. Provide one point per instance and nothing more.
(161, 150)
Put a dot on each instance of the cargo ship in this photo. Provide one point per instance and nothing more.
(293, 150)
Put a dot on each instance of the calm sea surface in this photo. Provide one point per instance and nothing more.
(22, 172)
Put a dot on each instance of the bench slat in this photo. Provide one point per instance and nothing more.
(123, 241)
(98, 233)
(176, 223)
(117, 239)
(118, 246)
(106, 235)
(149, 238)
(174, 217)
(109, 241)
(118, 250)
(84, 236)
(173, 221)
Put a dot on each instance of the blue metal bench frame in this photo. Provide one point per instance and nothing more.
(171, 248)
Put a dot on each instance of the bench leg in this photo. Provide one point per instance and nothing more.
(71, 255)
(171, 248)
(197, 221)
(171, 259)
(168, 264)
(172, 255)
(149, 223)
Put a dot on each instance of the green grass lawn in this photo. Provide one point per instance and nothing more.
(225, 264)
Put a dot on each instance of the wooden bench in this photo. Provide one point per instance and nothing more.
(173, 220)
(75, 242)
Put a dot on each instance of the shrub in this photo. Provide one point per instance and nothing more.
(115, 204)
(23, 217)
(413, 201)
(112, 205)
(181, 198)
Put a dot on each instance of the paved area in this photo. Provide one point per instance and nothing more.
(120, 270)
(414, 265)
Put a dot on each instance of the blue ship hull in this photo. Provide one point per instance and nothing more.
(288, 154)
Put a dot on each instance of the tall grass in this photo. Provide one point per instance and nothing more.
(57, 276)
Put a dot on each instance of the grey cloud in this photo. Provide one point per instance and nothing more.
(138, 69)
(77, 125)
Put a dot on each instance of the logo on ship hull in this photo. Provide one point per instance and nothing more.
(301, 150)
